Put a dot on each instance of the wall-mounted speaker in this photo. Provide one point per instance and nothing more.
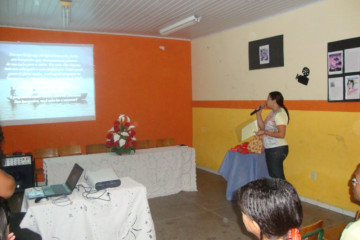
(21, 167)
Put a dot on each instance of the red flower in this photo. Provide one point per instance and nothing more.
(109, 136)
(116, 129)
(127, 145)
(131, 133)
(109, 143)
(134, 143)
(127, 124)
(116, 124)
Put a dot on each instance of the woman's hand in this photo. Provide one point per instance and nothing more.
(11, 236)
(260, 133)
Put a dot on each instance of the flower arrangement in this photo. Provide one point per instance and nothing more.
(121, 137)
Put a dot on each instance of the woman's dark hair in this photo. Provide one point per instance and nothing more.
(273, 204)
(278, 97)
(4, 218)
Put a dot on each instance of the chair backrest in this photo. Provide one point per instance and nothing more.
(143, 144)
(314, 231)
(163, 142)
(96, 148)
(70, 150)
(45, 153)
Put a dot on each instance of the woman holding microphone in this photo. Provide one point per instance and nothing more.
(272, 131)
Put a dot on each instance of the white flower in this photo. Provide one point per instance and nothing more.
(123, 118)
(124, 134)
(116, 137)
(133, 138)
(122, 142)
(131, 127)
(111, 129)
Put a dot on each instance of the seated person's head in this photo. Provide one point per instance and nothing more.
(4, 219)
(356, 184)
(270, 208)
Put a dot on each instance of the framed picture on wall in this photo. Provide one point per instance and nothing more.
(352, 87)
(266, 53)
(352, 60)
(336, 89)
(335, 62)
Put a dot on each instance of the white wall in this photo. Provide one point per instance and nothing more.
(220, 66)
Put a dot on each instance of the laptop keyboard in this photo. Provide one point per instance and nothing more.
(58, 189)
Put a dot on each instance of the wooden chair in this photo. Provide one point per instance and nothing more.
(38, 155)
(334, 233)
(143, 144)
(164, 142)
(70, 150)
(314, 231)
(96, 148)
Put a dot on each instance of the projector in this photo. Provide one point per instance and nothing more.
(102, 179)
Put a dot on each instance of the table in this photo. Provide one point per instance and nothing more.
(163, 171)
(239, 169)
(126, 216)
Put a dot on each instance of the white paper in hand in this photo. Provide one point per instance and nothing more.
(249, 130)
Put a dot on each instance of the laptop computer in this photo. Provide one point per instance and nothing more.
(65, 188)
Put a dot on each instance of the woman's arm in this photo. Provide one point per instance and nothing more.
(279, 134)
(7, 185)
(259, 120)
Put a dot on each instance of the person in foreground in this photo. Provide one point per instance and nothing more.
(7, 182)
(272, 131)
(352, 230)
(4, 221)
(7, 189)
(271, 209)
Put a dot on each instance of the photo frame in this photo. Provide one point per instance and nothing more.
(335, 62)
(266, 53)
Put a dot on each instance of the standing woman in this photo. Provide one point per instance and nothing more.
(272, 131)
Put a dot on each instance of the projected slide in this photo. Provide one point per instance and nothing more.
(46, 83)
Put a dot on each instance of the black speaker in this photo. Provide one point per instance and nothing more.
(21, 167)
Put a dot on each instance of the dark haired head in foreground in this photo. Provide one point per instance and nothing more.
(270, 208)
(4, 221)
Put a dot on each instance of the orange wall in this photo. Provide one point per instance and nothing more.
(133, 76)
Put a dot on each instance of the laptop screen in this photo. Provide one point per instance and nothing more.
(74, 176)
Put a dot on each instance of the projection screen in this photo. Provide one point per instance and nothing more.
(46, 83)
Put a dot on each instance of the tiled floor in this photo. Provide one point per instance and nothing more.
(207, 215)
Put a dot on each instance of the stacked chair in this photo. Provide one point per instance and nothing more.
(38, 155)
(164, 142)
(96, 148)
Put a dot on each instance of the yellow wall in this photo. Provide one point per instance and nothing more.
(323, 141)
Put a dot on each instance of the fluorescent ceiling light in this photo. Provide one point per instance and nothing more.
(180, 25)
(66, 12)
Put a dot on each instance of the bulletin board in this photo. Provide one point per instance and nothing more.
(343, 70)
(266, 53)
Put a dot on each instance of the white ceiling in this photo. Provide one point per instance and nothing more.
(142, 17)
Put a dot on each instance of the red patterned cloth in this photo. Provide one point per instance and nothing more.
(293, 234)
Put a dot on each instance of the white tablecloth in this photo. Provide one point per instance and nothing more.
(126, 217)
(163, 171)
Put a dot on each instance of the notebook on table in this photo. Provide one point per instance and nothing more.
(67, 187)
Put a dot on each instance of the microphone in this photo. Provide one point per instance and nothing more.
(258, 109)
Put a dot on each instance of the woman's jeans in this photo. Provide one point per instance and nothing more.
(274, 160)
